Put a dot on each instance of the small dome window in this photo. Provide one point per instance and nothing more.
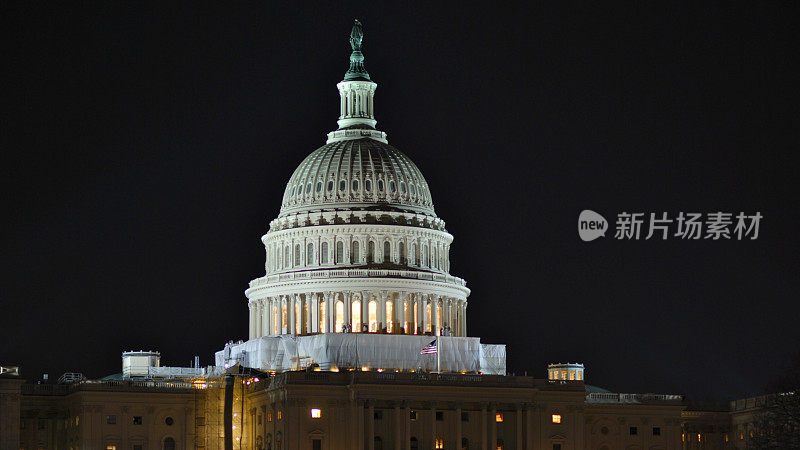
(413, 191)
(368, 185)
(319, 186)
(330, 186)
(392, 187)
(355, 185)
(403, 187)
(308, 188)
(380, 185)
(342, 185)
(300, 190)
(292, 194)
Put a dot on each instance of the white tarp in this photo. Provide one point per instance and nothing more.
(357, 350)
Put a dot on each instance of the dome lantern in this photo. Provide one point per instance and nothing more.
(356, 92)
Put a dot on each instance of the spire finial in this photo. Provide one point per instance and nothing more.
(356, 70)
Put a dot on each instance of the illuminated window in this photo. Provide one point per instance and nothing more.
(111, 447)
(571, 374)
(269, 416)
(412, 416)
(280, 414)
(339, 317)
(372, 310)
(700, 437)
(389, 316)
(298, 319)
(439, 443)
(556, 418)
(274, 319)
(727, 439)
(500, 445)
(563, 374)
(322, 320)
(428, 324)
(355, 315)
(405, 317)
(498, 417)
(316, 413)
(284, 318)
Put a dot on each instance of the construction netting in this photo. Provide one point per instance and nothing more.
(362, 350)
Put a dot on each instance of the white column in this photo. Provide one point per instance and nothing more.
(251, 306)
(313, 300)
(423, 319)
(434, 316)
(382, 319)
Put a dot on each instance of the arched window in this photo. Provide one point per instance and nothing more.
(427, 317)
(339, 317)
(310, 254)
(355, 185)
(371, 252)
(285, 319)
(380, 185)
(389, 316)
(275, 320)
(411, 187)
(414, 443)
(322, 321)
(330, 186)
(297, 254)
(286, 253)
(387, 252)
(354, 253)
(300, 190)
(464, 441)
(438, 317)
(403, 187)
(368, 185)
(169, 444)
(319, 186)
(339, 252)
(416, 255)
(324, 253)
(355, 315)
(438, 443)
(500, 445)
(401, 249)
(392, 187)
(298, 318)
(377, 443)
(424, 255)
(308, 188)
(372, 310)
(342, 185)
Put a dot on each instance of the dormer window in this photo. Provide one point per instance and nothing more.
(392, 187)
(355, 185)
(380, 185)
(368, 185)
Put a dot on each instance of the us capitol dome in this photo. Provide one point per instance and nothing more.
(357, 248)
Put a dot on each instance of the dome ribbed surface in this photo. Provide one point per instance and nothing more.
(360, 173)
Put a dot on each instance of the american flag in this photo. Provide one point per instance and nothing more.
(430, 348)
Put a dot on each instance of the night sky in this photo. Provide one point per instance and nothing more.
(147, 149)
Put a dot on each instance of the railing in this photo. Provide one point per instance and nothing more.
(356, 273)
(107, 385)
(598, 397)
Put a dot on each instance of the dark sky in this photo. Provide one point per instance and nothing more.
(148, 147)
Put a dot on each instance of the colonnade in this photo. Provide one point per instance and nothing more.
(358, 311)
